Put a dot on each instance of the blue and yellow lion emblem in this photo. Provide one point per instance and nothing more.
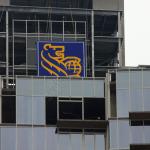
(54, 62)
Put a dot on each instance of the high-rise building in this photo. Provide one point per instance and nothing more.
(63, 84)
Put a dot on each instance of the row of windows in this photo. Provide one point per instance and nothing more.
(58, 108)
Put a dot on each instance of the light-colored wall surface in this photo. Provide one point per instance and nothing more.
(46, 138)
(60, 87)
(122, 134)
(108, 4)
(132, 91)
(4, 2)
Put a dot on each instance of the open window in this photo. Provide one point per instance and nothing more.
(70, 110)
(8, 109)
(94, 108)
(51, 110)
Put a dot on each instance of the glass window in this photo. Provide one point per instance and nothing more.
(57, 28)
(70, 110)
(51, 110)
(136, 123)
(94, 108)
(69, 27)
(8, 109)
(32, 58)
(31, 42)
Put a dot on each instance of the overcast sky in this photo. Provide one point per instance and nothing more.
(137, 32)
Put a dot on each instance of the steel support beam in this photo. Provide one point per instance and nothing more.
(92, 34)
(46, 10)
(7, 49)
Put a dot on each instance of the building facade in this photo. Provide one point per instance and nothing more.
(107, 109)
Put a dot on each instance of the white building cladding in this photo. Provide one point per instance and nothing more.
(36, 119)
(30, 129)
(132, 97)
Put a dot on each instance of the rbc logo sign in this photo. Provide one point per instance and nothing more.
(61, 59)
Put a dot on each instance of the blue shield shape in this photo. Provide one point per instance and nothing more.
(61, 59)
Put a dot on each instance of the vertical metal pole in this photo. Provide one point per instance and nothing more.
(63, 30)
(13, 53)
(75, 31)
(26, 47)
(92, 34)
(119, 41)
(7, 50)
(51, 30)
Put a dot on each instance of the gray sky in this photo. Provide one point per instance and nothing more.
(137, 32)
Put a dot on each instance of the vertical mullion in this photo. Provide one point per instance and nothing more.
(92, 32)
(38, 44)
(13, 49)
(26, 46)
(63, 30)
(51, 31)
(75, 30)
(7, 48)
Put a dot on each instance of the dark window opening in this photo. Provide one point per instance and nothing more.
(69, 27)
(57, 27)
(140, 122)
(45, 27)
(94, 109)
(51, 110)
(106, 25)
(8, 109)
(3, 21)
(2, 51)
(146, 122)
(136, 123)
(80, 28)
(20, 26)
(32, 27)
(70, 110)
(19, 51)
